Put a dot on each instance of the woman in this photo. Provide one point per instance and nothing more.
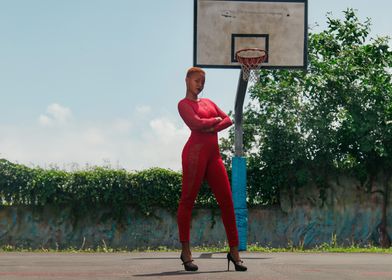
(201, 160)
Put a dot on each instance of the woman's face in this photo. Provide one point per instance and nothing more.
(195, 83)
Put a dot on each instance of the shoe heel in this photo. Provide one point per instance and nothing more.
(228, 264)
(237, 265)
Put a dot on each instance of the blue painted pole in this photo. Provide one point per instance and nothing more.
(239, 198)
(238, 179)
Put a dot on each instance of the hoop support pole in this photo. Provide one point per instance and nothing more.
(238, 108)
(238, 179)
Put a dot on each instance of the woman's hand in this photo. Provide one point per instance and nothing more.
(211, 129)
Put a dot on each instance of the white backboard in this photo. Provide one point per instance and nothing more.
(222, 27)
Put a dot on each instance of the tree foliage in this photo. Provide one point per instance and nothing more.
(335, 117)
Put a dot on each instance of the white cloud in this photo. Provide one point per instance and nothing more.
(163, 142)
(154, 142)
(167, 131)
(93, 136)
(131, 142)
(122, 125)
(143, 109)
(45, 120)
(56, 115)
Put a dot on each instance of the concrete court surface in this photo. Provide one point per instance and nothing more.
(143, 266)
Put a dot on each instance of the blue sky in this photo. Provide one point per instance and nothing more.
(98, 81)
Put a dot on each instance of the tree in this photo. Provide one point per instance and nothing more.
(335, 117)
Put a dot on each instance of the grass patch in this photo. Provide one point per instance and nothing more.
(324, 248)
(331, 247)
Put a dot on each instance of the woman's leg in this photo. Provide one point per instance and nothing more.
(193, 170)
(219, 182)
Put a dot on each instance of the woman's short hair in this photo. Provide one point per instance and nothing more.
(194, 70)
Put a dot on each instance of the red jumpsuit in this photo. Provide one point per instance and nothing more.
(201, 160)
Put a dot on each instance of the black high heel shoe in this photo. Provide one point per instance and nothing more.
(189, 265)
(237, 264)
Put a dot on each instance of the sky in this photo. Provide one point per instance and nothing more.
(97, 82)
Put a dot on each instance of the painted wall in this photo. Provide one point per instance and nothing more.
(349, 211)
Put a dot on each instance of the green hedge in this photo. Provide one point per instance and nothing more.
(98, 186)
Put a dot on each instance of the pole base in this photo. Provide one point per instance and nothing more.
(239, 199)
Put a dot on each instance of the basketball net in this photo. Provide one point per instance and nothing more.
(251, 61)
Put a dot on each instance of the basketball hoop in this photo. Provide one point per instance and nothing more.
(251, 60)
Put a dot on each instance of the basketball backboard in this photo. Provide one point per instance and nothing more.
(222, 27)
